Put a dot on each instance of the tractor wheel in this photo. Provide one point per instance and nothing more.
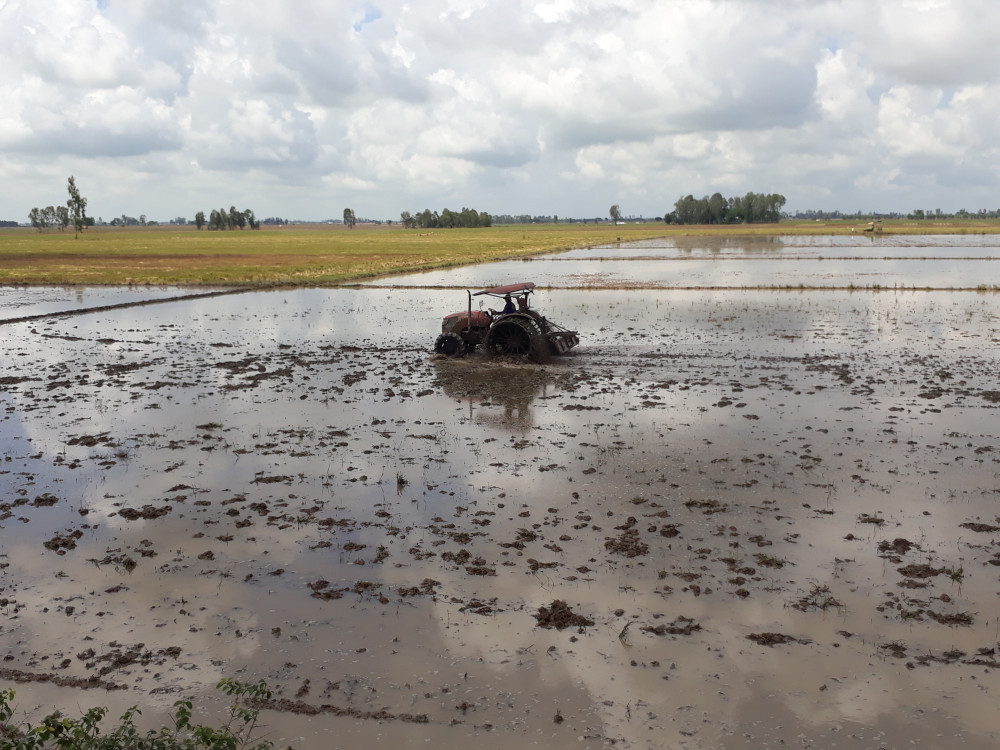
(450, 345)
(514, 337)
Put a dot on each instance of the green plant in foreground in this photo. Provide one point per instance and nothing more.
(85, 733)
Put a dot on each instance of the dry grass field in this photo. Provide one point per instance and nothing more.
(323, 254)
(286, 255)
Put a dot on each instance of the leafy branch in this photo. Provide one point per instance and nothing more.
(56, 731)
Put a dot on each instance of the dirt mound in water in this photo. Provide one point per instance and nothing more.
(558, 615)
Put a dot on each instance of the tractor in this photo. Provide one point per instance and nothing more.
(516, 330)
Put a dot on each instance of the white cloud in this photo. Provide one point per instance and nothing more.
(552, 107)
(912, 123)
(935, 43)
(842, 88)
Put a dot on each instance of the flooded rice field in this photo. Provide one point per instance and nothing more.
(732, 517)
(27, 302)
(849, 262)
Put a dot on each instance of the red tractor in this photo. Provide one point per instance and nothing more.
(516, 330)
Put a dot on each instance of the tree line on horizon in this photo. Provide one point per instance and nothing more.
(220, 219)
(74, 211)
(467, 218)
(48, 217)
(752, 208)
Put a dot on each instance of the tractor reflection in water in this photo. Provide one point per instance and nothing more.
(498, 393)
(522, 333)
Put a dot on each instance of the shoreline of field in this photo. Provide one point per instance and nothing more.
(316, 255)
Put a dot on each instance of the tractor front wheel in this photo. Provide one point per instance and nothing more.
(450, 345)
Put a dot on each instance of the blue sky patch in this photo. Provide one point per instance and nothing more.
(371, 14)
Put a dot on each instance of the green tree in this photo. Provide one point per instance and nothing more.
(615, 213)
(752, 208)
(199, 219)
(428, 220)
(685, 209)
(77, 205)
(408, 221)
(349, 219)
(717, 208)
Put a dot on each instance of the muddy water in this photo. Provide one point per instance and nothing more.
(761, 518)
(30, 301)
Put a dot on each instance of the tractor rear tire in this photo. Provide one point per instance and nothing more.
(517, 337)
(450, 345)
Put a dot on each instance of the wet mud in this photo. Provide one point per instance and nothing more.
(726, 520)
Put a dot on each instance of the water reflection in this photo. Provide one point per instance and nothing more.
(313, 498)
(499, 395)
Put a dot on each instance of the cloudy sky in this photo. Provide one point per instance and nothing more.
(300, 108)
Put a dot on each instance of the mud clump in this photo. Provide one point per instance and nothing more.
(981, 528)
(627, 545)
(895, 649)
(775, 639)
(480, 570)
(893, 551)
(819, 597)
(424, 589)
(479, 607)
(899, 546)
(147, 512)
(920, 571)
(121, 656)
(681, 626)
(62, 542)
(84, 683)
(558, 615)
(958, 618)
